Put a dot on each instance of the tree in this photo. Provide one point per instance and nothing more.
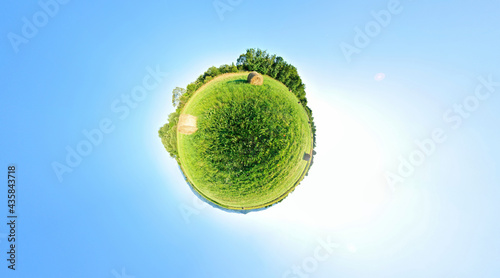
(212, 71)
(276, 67)
(253, 60)
(168, 134)
(233, 68)
(176, 95)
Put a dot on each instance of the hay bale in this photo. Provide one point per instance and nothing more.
(187, 124)
(255, 78)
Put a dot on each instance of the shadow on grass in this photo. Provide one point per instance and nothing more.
(238, 81)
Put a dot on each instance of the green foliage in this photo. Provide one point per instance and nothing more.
(253, 60)
(180, 97)
(168, 134)
(208, 75)
(250, 141)
(240, 135)
(277, 68)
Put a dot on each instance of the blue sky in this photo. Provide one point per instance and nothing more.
(425, 76)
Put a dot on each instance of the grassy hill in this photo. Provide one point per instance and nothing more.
(250, 142)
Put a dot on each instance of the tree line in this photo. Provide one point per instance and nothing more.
(277, 68)
(253, 60)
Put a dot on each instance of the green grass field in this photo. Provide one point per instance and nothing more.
(248, 150)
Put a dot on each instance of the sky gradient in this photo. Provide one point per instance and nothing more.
(417, 73)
